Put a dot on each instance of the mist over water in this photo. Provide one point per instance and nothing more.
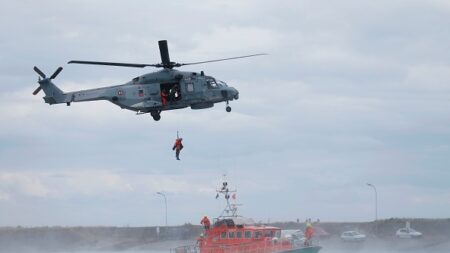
(334, 245)
(387, 246)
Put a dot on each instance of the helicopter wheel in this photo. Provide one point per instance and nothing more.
(228, 109)
(156, 116)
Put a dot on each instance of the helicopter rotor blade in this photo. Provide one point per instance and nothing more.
(164, 50)
(36, 91)
(224, 59)
(56, 73)
(118, 64)
(39, 72)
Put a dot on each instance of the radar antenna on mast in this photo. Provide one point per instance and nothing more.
(230, 208)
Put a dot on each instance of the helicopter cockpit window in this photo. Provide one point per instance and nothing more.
(221, 83)
(135, 80)
(211, 83)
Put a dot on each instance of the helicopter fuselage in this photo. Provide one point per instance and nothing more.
(167, 89)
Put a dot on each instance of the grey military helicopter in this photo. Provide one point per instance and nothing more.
(167, 89)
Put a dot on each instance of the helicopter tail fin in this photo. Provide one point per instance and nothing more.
(53, 94)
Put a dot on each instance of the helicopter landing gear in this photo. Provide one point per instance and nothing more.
(228, 108)
(156, 115)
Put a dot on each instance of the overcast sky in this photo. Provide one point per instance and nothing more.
(352, 92)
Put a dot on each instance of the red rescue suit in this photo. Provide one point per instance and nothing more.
(205, 222)
(178, 146)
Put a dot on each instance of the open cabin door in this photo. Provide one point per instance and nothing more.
(170, 93)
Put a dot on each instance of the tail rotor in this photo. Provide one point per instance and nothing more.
(39, 72)
(44, 77)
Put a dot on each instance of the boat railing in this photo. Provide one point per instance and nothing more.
(185, 249)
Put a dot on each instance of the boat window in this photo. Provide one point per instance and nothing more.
(269, 233)
(258, 234)
(238, 234)
(248, 234)
(278, 234)
(223, 235)
(231, 235)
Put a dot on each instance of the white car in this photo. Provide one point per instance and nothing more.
(408, 233)
(352, 236)
(294, 235)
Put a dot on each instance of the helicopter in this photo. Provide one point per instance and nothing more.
(166, 89)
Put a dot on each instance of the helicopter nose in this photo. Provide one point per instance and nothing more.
(230, 93)
(234, 93)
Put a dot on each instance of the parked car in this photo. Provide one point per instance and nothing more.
(352, 236)
(407, 233)
(289, 233)
(296, 235)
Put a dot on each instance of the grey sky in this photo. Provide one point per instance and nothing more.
(351, 92)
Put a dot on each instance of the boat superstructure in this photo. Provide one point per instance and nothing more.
(232, 233)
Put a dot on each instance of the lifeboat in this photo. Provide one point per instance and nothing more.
(231, 233)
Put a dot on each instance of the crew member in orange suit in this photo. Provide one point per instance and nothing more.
(178, 146)
(164, 97)
(309, 232)
(205, 222)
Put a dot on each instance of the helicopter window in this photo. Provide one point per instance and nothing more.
(135, 80)
(211, 83)
(221, 83)
(190, 87)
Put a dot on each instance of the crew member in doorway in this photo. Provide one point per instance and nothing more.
(164, 97)
(178, 146)
(309, 232)
(205, 222)
(174, 93)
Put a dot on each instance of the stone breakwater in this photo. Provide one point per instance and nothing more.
(57, 239)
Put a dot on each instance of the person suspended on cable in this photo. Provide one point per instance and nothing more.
(178, 146)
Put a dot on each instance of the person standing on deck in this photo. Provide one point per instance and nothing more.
(205, 222)
(309, 232)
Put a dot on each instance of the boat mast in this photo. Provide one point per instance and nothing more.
(225, 191)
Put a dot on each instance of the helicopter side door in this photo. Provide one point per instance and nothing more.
(193, 89)
(170, 94)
